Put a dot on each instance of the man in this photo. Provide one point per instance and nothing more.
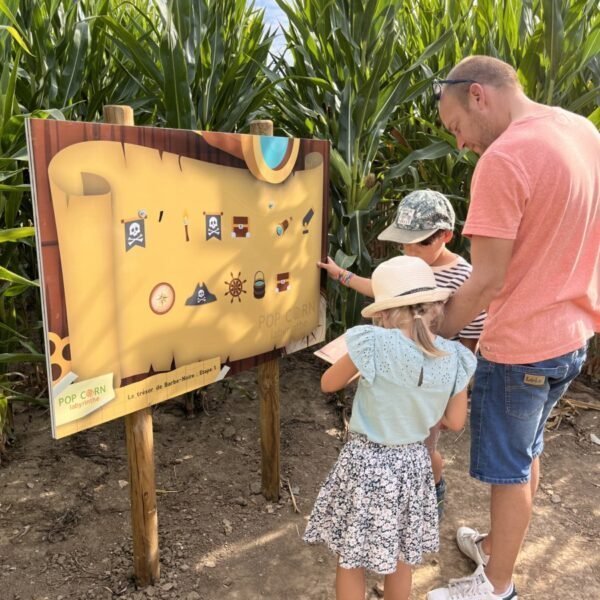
(534, 223)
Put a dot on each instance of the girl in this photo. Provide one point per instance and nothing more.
(377, 508)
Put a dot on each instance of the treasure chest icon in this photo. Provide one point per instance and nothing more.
(240, 227)
(283, 282)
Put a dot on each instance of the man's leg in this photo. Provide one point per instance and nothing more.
(497, 509)
(509, 408)
(510, 516)
(534, 482)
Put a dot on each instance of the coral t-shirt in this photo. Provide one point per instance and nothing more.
(539, 185)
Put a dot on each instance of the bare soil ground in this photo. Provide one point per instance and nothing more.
(64, 505)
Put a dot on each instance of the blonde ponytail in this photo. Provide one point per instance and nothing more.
(424, 316)
(420, 318)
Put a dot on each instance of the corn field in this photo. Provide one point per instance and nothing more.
(355, 72)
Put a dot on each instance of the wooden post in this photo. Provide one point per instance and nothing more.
(268, 392)
(140, 456)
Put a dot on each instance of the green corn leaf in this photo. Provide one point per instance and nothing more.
(72, 75)
(343, 260)
(367, 197)
(132, 48)
(16, 36)
(7, 275)
(353, 305)
(591, 46)
(435, 150)
(553, 40)
(20, 357)
(12, 332)
(21, 187)
(177, 96)
(340, 166)
(8, 103)
(16, 234)
(591, 97)
(8, 394)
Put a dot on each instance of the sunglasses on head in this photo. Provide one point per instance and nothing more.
(438, 83)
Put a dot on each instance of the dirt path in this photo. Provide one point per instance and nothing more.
(64, 506)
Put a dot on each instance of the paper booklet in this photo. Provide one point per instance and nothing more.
(333, 351)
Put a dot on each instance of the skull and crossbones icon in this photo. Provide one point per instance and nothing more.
(213, 226)
(135, 234)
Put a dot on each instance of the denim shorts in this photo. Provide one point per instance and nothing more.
(509, 408)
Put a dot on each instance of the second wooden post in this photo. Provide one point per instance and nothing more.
(268, 391)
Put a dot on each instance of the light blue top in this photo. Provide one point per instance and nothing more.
(390, 407)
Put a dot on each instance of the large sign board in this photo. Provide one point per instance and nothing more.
(169, 257)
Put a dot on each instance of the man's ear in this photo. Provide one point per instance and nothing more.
(477, 94)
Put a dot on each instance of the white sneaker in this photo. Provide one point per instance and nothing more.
(469, 543)
(474, 587)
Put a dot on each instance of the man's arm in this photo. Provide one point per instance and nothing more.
(490, 258)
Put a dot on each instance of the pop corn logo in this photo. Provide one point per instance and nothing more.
(84, 396)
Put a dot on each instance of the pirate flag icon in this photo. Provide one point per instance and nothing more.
(135, 233)
(213, 226)
(200, 296)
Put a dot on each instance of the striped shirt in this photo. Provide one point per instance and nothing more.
(452, 276)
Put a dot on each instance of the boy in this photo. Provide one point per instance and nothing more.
(423, 225)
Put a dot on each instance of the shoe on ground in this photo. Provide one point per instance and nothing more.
(440, 493)
(474, 587)
(469, 543)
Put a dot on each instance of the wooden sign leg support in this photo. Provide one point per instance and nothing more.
(144, 516)
(268, 391)
(140, 456)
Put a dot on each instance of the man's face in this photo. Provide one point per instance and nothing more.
(472, 125)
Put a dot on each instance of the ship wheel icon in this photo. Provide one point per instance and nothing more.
(235, 287)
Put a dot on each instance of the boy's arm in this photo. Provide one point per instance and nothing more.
(455, 414)
(361, 284)
(338, 375)
(469, 343)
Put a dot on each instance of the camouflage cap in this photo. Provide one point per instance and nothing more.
(420, 214)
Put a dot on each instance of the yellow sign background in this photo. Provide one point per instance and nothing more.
(98, 186)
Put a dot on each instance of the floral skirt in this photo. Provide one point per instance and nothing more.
(377, 506)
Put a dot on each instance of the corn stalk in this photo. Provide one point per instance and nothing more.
(342, 81)
(197, 64)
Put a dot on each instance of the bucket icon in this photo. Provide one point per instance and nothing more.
(259, 284)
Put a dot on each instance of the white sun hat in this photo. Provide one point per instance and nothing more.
(402, 281)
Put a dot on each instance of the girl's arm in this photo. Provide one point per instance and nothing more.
(361, 284)
(456, 412)
(338, 375)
